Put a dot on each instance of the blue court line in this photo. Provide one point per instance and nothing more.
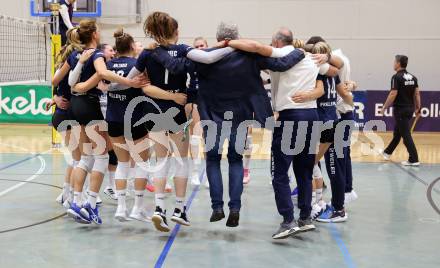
(336, 235)
(18, 162)
(160, 261)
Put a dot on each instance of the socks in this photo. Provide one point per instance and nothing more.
(66, 189)
(318, 195)
(180, 203)
(160, 200)
(111, 179)
(91, 199)
(317, 172)
(313, 198)
(139, 198)
(121, 194)
(77, 198)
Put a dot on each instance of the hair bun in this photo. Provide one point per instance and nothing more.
(119, 33)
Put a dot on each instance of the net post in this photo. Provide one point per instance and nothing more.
(55, 50)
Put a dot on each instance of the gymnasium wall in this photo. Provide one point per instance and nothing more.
(370, 32)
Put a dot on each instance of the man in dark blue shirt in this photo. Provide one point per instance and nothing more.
(231, 92)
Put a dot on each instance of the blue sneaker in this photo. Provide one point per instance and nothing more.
(91, 214)
(331, 215)
(75, 212)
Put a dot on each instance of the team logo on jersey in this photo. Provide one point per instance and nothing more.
(408, 77)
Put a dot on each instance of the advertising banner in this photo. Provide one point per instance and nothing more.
(25, 104)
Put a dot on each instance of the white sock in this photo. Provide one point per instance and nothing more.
(318, 195)
(111, 179)
(71, 192)
(180, 203)
(66, 189)
(139, 198)
(121, 194)
(313, 198)
(160, 200)
(77, 198)
(91, 199)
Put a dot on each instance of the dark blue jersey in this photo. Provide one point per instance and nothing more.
(118, 101)
(194, 81)
(160, 77)
(63, 26)
(63, 88)
(327, 102)
(88, 69)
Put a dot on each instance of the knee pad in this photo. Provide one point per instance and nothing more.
(101, 163)
(113, 159)
(161, 168)
(86, 163)
(122, 171)
(142, 169)
(181, 165)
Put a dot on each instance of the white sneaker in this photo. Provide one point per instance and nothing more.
(121, 214)
(317, 210)
(385, 156)
(60, 199)
(139, 215)
(110, 193)
(350, 197)
(98, 201)
(195, 179)
(410, 164)
(67, 203)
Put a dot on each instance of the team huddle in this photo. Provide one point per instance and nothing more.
(150, 113)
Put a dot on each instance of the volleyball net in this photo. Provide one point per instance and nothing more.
(25, 51)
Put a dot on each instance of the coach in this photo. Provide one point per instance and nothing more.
(405, 98)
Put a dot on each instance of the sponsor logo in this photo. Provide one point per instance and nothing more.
(433, 111)
(20, 105)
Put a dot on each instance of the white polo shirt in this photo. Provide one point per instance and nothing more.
(344, 75)
(300, 77)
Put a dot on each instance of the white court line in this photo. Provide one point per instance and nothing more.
(31, 178)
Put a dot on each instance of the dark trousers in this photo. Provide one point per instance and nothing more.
(235, 160)
(336, 170)
(402, 117)
(302, 162)
(347, 151)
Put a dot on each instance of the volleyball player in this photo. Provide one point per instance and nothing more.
(61, 98)
(123, 143)
(335, 167)
(109, 54)
(86, 111)
(193, 113)
(167, 90)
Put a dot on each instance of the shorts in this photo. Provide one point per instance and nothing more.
(116, 129)
(85, 109)
(161, 123)
(58, 117)
(191, 95)
(328, 135)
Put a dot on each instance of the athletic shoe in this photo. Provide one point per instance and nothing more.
(286, 230)
(295, 192)
(306, 225)
(331, 215)
(195, 181)
(92, 214)
(122, 214)
(350, 197)
(217, 215)
(110, 193)
(139, 215)
(98, 201)
(168, 188)
(410, 164)
(385, 156)
(67, 203)
(180, 217)
(246, 176)
(60, 199)
(233, 219)
(159, 220)
(150, 188)
(317, 210)
(75, 212)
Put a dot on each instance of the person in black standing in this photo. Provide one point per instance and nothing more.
(405, 99)
(65, 18)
